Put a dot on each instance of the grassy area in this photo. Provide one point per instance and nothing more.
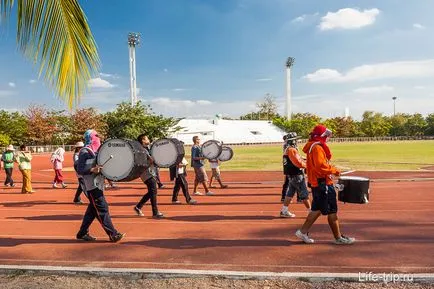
(402, 155)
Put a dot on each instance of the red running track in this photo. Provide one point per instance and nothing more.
(238, 229)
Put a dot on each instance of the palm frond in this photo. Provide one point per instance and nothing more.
(55, 35)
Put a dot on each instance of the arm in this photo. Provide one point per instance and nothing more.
(85, 163)
(295, 158)
(321, 165)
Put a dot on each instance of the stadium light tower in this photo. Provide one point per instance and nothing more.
(133, 40)
(394, 104)
(288, 109)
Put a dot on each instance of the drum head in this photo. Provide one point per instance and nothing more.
(167, 152)
(211, 149)
(226, 154)
(117, 158)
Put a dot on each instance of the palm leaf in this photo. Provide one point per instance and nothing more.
(55, 35)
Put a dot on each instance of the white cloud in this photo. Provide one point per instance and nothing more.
(12, 84)
(100, 83)
(178, 103)
(204, 102)
(32, 81)
(165, 70)
(348, 18)
(385, 70)
(303, 18)
(418, 26)
(419, 87)
(264, 79)
(179, 89)
(374, 89)
(108, 75)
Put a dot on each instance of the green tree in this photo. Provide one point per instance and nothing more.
(429, 124)
(415, 125)
(86, 118)
(13, 125)
(267, 108)
(342, 126)
(301, 123)
(55, 35)
(42, 125)
(5, 140)
(398, 122)
(374, 124)
(129, 121)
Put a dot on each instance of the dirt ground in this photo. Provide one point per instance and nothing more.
(24, 281)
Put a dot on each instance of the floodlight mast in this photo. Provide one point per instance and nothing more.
(133, 41)
(289, 64)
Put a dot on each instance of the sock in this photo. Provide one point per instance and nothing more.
(284, 209)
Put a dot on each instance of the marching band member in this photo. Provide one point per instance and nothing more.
(320, 173)
(293, 166)
(149, 178)
(179, 173)
(199, 168)
(93, 185)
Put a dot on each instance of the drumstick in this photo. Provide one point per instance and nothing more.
(348, 172)
(111, 156)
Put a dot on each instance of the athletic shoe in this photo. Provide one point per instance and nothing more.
(345, 240)
(138, 211)
(158, 216)
(192, 202)
(64, 186)
(224, 187)
(87, 238)
(209, 193)
(282, 200)
(54, 186)
(6, 185)
(78, 203)
(287, 214)
(176, 202)
(304, 237)
(116, 238)
(13, 186)
(161, 186)
(197, 193)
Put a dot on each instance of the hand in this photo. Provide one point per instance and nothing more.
(337, 173)
(96, 169)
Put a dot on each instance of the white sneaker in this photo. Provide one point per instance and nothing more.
(209, 193)
(304, 237)
(345, 240)
(287, 214)
(54, 186)
(197, 193)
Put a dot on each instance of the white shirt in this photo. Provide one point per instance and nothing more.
(214, 165)
(181, 169)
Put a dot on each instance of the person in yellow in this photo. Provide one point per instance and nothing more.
(24, 158)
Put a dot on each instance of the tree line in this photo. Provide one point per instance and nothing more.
(372, 124)
(38, 125)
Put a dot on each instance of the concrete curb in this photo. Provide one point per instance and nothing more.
(135, 273)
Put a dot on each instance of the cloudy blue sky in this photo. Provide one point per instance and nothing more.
(202, 57)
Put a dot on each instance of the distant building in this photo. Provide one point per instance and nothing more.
(229, 131)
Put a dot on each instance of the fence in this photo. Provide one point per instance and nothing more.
(52, 148)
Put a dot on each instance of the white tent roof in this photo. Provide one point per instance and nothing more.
(229, 131)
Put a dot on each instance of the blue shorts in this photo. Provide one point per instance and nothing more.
(324, 199)
(297, 183)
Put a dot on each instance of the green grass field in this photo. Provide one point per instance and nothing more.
(402, 155)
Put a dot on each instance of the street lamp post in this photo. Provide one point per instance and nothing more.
(133, 41)
(394, 105)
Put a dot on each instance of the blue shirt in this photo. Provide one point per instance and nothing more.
(196, 152)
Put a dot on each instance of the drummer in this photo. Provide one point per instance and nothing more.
(149, 177)
(293, 166)
(199, 168)
(320, 173)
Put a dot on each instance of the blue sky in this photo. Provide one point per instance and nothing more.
(198, 58)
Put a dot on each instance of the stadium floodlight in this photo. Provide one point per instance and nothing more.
(133, 41)
(289, 63)
(394, 104)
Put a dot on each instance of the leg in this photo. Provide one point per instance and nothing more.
(144, 199)
(152, 188)
(176, 189)
(77, 198)
(285, 188)
(310, 220)
(88, 218)
(10, 177)
(319, 206)
(210, 180)
(97, 199)
(290, 192)
(334, 225)
(184, 187)
(9, 180)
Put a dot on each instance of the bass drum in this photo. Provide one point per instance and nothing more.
(353, 190)
(226, 154)
(123, 160)
(167, 152)
(211, 149)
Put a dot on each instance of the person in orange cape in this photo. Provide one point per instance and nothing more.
(319, 175)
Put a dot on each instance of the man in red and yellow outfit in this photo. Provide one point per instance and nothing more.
(319, 175)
